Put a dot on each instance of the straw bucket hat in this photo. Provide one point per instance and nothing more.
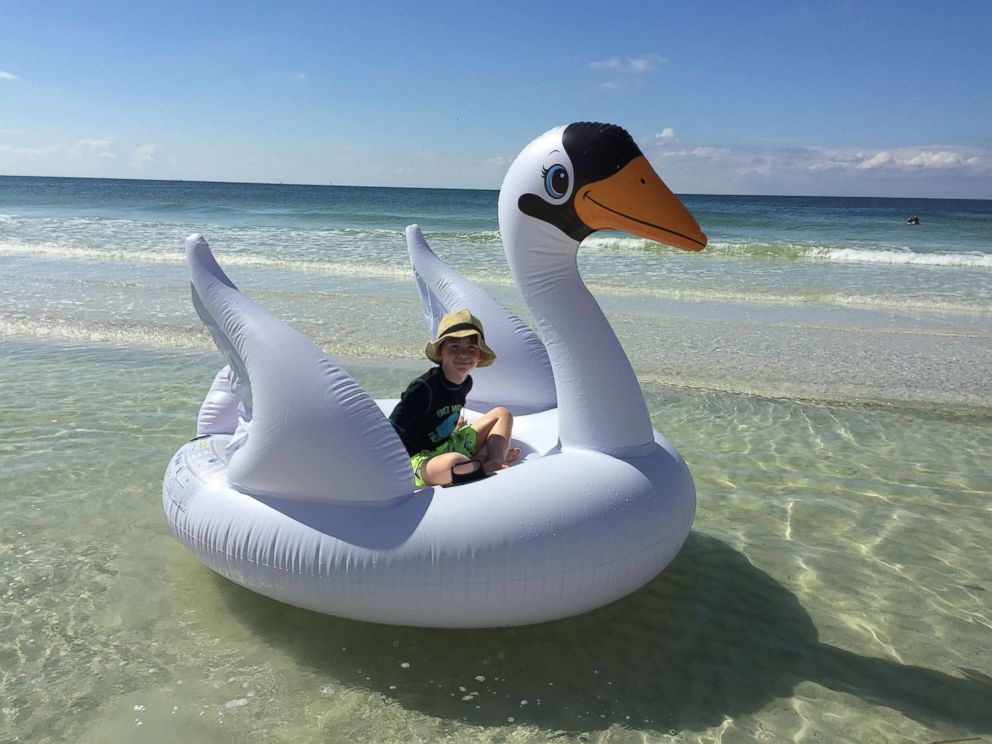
(459, 324)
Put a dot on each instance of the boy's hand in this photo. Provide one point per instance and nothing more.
(461, 422)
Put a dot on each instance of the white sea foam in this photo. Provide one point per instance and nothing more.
(72, 252)
(402, 273)
(484, 236)
(372, 271)
(590, 245)
(903, 258)
(608, 243)
(170, 337)
(868, 302)
(63, 250)
(892, 256)
(106, 333)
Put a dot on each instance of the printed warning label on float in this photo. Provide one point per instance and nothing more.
(191, 467)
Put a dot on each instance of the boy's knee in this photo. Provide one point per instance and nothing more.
(502, 412)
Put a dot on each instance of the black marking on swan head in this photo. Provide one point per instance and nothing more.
(594, 151)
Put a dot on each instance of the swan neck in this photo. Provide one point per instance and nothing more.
(600, 404)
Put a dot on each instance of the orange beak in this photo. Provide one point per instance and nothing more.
(636, 200)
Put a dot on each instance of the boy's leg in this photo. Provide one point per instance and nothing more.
(492, 444)
(437, 470)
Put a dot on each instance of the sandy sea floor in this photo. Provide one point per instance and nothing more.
(836, 587)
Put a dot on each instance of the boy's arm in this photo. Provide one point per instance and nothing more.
(414, 402)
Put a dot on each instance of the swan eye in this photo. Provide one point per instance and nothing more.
(555, 181)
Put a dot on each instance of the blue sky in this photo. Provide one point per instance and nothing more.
(837, 98)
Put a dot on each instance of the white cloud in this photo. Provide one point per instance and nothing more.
(144, 153)
(630, 65)
(607, 64)
(904, 160)
(878, 160)
(642, 64)
(96, 145)
(934, 158)
(92, 156)
(627, 72)
(99, 144)
(940, 159)
(710, 152)
(30, 152)
(939, 170)
(4, 75)
(666, 135)
(852, 161)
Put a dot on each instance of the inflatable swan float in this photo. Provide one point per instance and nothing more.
(298, 488)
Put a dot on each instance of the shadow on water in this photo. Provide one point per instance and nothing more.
(712, 637)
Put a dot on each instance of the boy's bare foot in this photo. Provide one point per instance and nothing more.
(492, 465)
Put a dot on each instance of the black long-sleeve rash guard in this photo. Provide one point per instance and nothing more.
(428, 410)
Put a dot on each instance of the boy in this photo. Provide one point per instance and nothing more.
(442, 447)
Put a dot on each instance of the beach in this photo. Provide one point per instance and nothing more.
(823, 367)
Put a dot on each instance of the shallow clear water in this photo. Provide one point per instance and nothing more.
(836, 586)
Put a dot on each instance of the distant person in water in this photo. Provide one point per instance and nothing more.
(914, 220)
(443, 448)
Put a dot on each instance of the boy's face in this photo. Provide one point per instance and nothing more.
(459, 356)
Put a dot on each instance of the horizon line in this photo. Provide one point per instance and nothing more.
(464, 188)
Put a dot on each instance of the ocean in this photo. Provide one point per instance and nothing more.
(823, 366)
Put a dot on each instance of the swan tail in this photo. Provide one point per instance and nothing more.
(521, 379)
(314, 433)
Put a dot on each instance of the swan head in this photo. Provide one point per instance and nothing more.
(585, 177)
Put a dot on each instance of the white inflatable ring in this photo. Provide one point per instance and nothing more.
(298, 488)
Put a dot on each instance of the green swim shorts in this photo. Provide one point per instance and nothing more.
(462, 440)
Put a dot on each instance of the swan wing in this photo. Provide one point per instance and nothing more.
(314, 434)
(221, 408)
(521, 379)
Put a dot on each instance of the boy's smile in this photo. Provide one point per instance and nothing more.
(459, 356)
